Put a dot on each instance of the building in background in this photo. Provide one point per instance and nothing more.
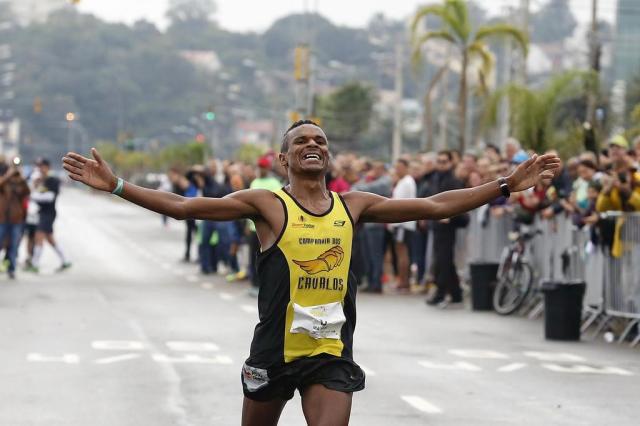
(626, 55)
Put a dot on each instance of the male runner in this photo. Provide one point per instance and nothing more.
(46, 195)
(307, 299)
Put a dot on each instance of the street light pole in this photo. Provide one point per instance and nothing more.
(70, 117)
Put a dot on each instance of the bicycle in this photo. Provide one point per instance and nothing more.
(515, 274)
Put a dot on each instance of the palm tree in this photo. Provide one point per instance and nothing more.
(471, 45)
(534, 113)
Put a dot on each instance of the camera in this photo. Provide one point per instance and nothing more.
(622, 177)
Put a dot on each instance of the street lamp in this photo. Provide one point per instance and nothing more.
(70, 117)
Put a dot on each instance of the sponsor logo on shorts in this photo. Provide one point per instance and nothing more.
(254, 378)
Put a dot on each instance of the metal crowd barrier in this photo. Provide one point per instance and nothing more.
(563, 251)
(487, 235)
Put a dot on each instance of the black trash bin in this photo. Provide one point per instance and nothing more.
(563, 309)
(483, 282)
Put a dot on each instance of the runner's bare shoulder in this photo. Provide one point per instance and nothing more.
(359, 201)
(265, 203)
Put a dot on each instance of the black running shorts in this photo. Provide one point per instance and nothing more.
(334, 373)
(45, 224)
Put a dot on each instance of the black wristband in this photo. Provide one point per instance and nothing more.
(504, 188)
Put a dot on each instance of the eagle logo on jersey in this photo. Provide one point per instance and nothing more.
(326, 262)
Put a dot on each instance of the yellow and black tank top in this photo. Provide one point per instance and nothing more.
(307, 295)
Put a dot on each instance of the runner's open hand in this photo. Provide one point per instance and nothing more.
(95, 173)
(533, 171)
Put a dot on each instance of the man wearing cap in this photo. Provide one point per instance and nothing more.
(621, 184)
(265, 180)
(46, 195)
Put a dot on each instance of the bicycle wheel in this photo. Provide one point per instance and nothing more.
(512, 290)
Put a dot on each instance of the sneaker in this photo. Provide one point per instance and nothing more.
(64, 266)
(435, 301)
(12, 275)
(32, 268)
(445, 304)
(238, 276)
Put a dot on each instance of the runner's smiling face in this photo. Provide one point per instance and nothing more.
(308, 151)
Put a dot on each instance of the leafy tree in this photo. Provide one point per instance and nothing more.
(114, 78)
(346, 113)
(633, 93)
(330, 42)
(469, 44)
(554, 22)
(534, 112)
(190, 12)
(249, 153)
(634, 123)
(127, 163)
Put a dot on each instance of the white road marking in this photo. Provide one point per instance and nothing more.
(117, 358)
(460, 365)
(421, 404)
(206, 286)
(117, 345)
(192, 359)
(227, 296)
(478, 353)
(65, 359)
(193, 279)
(587, 369)
(512, 367)
(367, 371)
(184, 346)
(249, 309)
(554, 356)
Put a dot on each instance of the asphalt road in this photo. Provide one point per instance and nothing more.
(131, 336)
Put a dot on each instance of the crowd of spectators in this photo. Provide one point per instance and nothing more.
(28, 198)
(400, 258)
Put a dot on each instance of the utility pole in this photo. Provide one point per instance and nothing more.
(594, 64)
(9, 143)
(396, 144)
(443, 118)
(303, 70)
(524, 20)
(70, 118)
(503, 113)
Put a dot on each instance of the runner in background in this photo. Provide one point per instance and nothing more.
(46, 195)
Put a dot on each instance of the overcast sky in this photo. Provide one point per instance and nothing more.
(256, 15)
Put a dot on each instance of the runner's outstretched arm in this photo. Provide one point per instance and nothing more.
(97, 174)
(375, 208)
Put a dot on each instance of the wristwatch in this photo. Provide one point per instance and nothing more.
(504, 188)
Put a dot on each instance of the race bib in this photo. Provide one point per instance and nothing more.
(319, 322)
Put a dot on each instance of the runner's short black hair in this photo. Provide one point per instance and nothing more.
(285, 142)
(446, 153)
(403, 161)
